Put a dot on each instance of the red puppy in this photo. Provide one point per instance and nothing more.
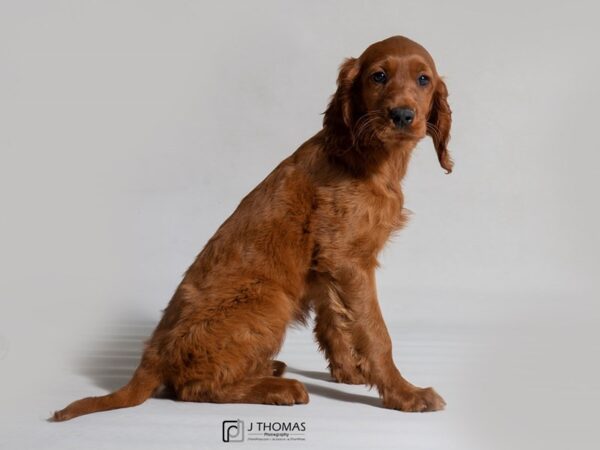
(305, 238)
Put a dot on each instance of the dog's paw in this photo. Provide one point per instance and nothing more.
(300, 393)
(414, 400)
(288, 392)
(277, 368)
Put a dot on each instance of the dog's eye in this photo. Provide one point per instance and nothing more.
(423, 80)
(379, 77)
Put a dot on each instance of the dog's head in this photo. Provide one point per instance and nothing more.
(392, 93)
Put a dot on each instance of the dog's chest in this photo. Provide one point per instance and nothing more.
(354, 222)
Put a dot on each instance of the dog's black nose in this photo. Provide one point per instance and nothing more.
(402, 116)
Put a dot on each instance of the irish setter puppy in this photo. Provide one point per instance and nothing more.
(306, 238)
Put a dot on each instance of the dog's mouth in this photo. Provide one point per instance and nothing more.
(404, 133)
(376, 125)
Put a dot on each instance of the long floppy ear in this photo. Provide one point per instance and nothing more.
(438, 125)
(339, 114)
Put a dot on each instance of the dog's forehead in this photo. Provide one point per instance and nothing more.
(395, 46)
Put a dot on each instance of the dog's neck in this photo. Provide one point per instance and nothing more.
(394, 167)
(385, 160)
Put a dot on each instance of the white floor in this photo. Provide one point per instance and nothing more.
(523, 379)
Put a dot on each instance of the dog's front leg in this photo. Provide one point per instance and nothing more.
(371, 341)
(332, 324)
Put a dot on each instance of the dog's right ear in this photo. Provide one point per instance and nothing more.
(339, 114)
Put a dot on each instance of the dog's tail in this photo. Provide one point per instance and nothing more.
(144, 382)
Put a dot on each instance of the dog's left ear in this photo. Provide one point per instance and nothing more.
(438, 125)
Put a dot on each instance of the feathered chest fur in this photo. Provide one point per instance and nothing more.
(355, 220)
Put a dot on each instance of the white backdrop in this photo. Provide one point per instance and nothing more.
(129, 130)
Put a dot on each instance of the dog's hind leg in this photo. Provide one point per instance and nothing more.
(223, 351)
(265, 390)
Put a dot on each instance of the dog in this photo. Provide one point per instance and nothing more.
(305, 239)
